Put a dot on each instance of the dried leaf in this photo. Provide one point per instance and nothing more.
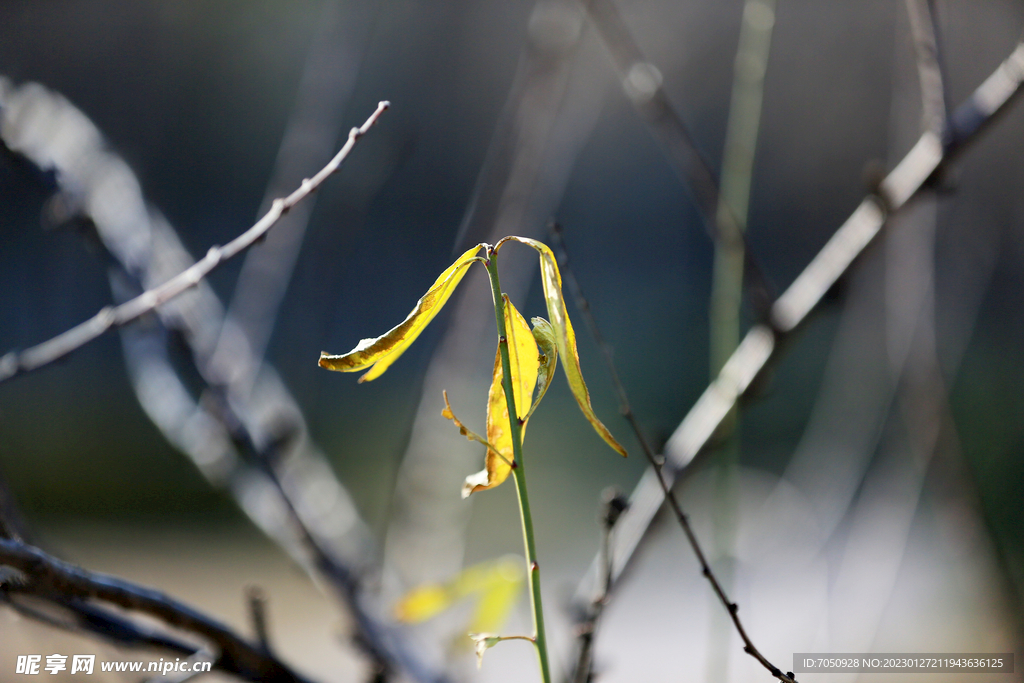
(482, 643)
(565, 337)
(382, 351)
(448, 414)
(524, 361)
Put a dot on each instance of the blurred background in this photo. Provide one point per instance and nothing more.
(869, 499)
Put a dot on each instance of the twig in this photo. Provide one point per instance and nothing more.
(731, 607)
(332, 66)
(14, 363)
(257, 601)
(924, 28)
(613, 505)
(54, 579)
(916, 169)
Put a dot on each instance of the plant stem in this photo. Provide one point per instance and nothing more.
(519, 470)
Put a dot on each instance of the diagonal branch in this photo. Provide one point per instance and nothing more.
(53, 579)
(15, 363)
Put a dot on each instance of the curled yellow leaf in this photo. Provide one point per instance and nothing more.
(544, 335)
(382, 351)
(565, 337)
(524, 361)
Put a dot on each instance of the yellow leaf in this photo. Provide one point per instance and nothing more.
(565, 337)
(505, 579)
(384, 350)
(496, 582)
(524, 361)
(422, 603)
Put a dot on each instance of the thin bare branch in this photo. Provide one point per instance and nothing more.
(656, 466)
(333, 62)
(56, 580)
(15, 363)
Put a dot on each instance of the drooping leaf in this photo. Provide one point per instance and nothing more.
(384, 350)
(565, 337)
(524, 361)
(544, 335)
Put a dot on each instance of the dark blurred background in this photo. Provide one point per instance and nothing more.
(196, 97)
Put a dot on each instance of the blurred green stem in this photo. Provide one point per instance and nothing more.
(727, 283)
(519, 470)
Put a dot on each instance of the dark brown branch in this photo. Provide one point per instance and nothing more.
(656, 466)
(82, 617)
(53, 579)
(15, 363)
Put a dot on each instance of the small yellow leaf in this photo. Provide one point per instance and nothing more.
(384, 350)
(422, 603)
(504, 581)
(496, 582)
(524, 361)
(565, 337)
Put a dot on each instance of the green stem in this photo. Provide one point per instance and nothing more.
(519, 470)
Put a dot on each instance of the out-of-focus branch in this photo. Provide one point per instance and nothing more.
(314, 125)
(924, 27)
(14, 363)
(53, 579)
(643, 84)
(257, 448)
(656, 467)
(793, 307)
(83, 617)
